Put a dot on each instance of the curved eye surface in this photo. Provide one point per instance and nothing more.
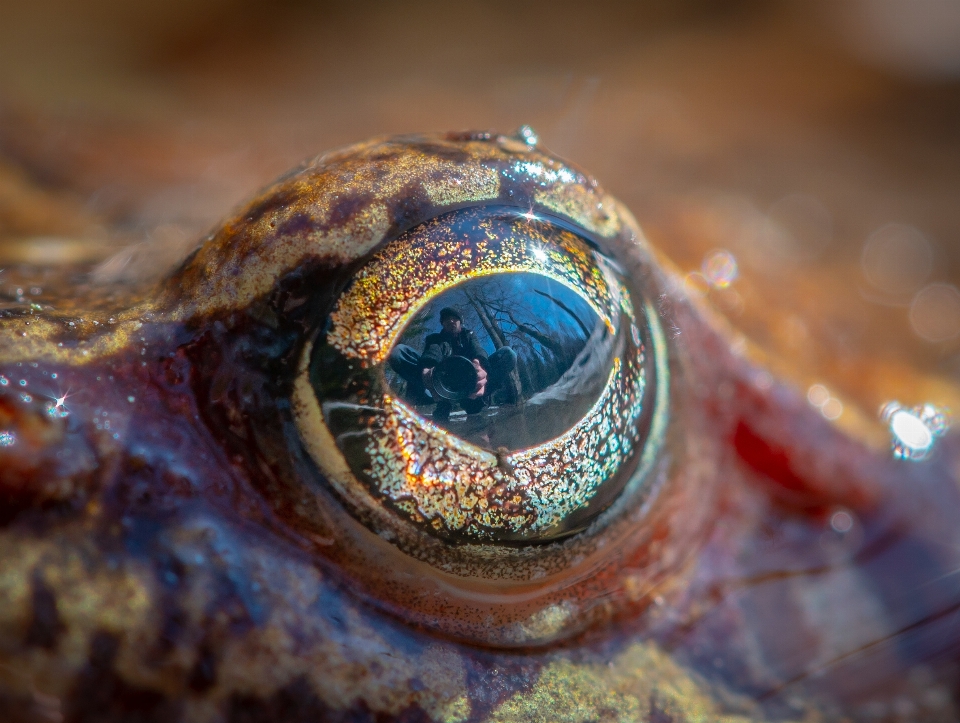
(544, 357)
(486, 378)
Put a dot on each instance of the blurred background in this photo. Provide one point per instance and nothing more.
(799, 162)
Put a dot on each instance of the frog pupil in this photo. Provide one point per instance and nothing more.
(504, 362)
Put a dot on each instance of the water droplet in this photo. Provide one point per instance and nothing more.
(914, 430)
(7, 439)
(910, 430)
(529, 136)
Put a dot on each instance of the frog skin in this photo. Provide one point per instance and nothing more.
(171, 551)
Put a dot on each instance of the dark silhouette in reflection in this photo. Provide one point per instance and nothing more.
(454, 367)
(519, 359)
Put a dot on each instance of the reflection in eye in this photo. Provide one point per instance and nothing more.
(485, 377)
(544, 358)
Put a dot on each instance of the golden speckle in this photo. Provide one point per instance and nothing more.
(428, 474)
(475, 183)
(402, 278)
(627, 690)
(457, 487)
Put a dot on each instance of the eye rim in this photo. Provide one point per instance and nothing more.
(246, 275)
(489, 561)
(530, 596)
(535, 501)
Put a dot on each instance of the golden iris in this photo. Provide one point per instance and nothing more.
(485, 376)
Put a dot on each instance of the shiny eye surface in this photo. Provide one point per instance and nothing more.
(449, 381)
(486, 377)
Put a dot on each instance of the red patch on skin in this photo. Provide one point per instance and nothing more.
(773, 463)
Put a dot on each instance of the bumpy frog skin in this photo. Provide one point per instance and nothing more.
(173, 548)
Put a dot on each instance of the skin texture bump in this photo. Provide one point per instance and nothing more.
(178, 543)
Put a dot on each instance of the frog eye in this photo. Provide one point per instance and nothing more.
(439, 358)
(487, 377)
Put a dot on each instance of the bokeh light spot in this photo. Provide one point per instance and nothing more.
(818, 395)
(832, 408)
(696, 284)
(720, 268)
(805, 222)
(897, 259)
(935, 313)
(841, 521)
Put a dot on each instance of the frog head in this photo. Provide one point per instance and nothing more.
(222, 499)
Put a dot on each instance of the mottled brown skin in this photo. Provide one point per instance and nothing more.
(189, 561)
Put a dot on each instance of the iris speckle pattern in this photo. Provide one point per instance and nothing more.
(455, 487)
(403, 276)
(459, 489)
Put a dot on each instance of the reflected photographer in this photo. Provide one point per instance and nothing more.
(454, 368)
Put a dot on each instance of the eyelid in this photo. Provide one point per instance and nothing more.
(346, 204)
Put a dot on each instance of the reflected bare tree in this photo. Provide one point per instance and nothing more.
(545, 350)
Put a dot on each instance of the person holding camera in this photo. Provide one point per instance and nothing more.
(442, 374)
